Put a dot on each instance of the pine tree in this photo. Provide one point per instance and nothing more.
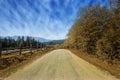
(20, 46)
(37, 44)
(31, 41)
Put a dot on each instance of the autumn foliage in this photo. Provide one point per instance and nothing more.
(97, 32)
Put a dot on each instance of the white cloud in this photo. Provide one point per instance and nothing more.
(39, 18)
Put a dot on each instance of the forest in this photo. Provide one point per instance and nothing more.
(20, 43)
(9, 43)
(96, 31)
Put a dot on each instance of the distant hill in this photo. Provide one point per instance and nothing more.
(55, 42)
(41, 39)
(36, 38)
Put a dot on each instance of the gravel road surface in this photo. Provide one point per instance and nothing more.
(60, 65)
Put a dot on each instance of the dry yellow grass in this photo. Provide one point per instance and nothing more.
(15, 54)
(114, 69)
(8, 70)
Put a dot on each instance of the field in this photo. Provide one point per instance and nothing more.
(12, 62)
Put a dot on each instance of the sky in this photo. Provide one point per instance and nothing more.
(49, 19)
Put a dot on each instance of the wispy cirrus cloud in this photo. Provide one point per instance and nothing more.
(49, 19)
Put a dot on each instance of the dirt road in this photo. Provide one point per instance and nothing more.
(60, 65)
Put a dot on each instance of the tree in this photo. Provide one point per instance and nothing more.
(109, 44)
(28, 42)
(37, 44)
(97, 32)
(0, 49)
(18, 41)
(31, 41)
(88, 28)
(23, 42)
(21, 45)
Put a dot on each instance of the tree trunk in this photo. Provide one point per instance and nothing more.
(37, 45)
(20, 50)
(0, 50)
(31, 47)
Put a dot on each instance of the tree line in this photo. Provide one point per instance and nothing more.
(20, 43)
(97, 32)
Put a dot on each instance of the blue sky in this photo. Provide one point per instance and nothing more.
(50, 19)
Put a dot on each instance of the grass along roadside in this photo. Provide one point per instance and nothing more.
(18, 62)
(114, 69)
